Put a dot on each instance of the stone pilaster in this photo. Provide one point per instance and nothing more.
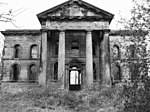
(105, 60)
(42, 77)
(61, 59)
(89, 59)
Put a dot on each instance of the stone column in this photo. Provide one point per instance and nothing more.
(89, 59)
(42, 77)
(105, 60)
(61, 59)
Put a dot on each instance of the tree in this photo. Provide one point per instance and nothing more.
(138, 97)
(140, 14)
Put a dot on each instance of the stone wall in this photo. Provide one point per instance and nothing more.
(123, 54)
(119, 52)
(119, 56)
(25, 39)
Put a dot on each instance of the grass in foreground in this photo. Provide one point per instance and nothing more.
(40, 100)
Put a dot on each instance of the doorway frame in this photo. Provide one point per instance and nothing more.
(74, 62)
(81, 72)
(12, 72)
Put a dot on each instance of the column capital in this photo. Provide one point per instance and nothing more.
(62, 30)
(89, 30)
(106, 31)
(43, 30)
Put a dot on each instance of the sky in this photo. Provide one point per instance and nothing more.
(29, 8)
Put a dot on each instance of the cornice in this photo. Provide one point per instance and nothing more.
(128, 32)
(21, 32)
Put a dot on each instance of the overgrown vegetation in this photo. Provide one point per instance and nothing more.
(132, 97)
(137, 98)
(40, 100)
(137, 95)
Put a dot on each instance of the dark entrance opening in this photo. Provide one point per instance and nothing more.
(74, 79)
(33, 73)
(15, 72)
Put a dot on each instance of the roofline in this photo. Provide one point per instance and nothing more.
(38, 32)
(92, 6)
(52, 8)
(21, 32)
(128, 32)
(95, 7)
(76, 18)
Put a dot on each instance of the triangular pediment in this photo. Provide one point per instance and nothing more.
(75, 9)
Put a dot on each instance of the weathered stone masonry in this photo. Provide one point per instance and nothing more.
(25, 39)
(74, 49)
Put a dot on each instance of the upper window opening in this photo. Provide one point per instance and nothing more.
(75, 45)
(33, 51)
(116, 51)
(56, 71)
(94, 48)
(94, 72)
(56, 47)
(132, 51)
(17, 50)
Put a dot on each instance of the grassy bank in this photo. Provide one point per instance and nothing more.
(44, 100)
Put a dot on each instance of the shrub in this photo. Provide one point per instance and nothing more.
(137, 97)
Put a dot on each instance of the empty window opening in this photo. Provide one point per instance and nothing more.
(33, 52)
(116, 52)
(75, 48)
(94, 48)
(32, 73)
(132, 51)
(134, 71)
(94, 72)
(17, 50)
(56, 71)
(75, 45)
(56, 47)
(117, 73)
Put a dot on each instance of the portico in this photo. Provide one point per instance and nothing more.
(75, 26)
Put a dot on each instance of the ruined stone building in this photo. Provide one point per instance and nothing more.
(72, 49)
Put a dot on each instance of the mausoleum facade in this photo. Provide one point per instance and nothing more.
(72, 49)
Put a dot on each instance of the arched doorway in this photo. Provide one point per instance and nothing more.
(32, 73)
(116, 73)
(14, 72)
(75, 78)
(75, 75)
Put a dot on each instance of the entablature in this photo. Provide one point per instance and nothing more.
(75, 25)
